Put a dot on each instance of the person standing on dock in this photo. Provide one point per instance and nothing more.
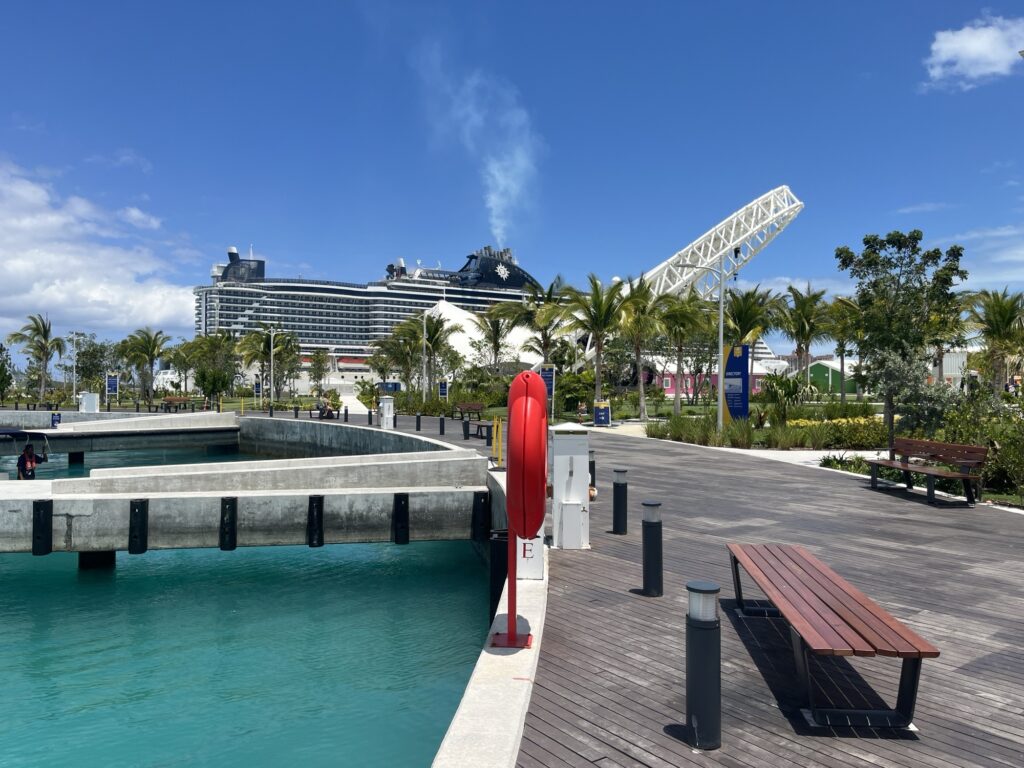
(27, 463)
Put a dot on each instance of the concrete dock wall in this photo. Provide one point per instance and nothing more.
(303, 437)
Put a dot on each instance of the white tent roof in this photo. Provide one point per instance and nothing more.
(462, 339)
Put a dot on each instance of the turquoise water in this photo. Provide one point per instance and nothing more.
(346, 655)
(57, 466)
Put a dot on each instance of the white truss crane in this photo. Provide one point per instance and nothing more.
(750, 229)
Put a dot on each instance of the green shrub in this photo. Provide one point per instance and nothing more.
(818, 435)
(740, 433)
(859, 434)
(682, 429)
(782, 438)
(707, 431)
(656, 429)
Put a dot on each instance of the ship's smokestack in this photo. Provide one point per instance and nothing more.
(233, 255)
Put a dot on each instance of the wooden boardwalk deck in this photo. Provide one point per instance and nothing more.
(610, 688)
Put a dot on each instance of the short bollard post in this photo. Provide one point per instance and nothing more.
(465, 428)
(593, 469)
(108, 406)
(346, 414)
(703, 666)
(441, 424)
(619, 518)
(490, 435)
(295, 409)
(653, 577)
(369, 417)
(417, 422)
(271, 410)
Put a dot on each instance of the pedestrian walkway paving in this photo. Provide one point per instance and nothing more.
(609, 689)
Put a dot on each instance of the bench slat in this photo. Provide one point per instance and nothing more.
(923, 647)
(811, 636)
(870, 627)
(846, 641)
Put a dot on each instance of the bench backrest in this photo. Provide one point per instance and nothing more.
(947, 453)
(470, 406)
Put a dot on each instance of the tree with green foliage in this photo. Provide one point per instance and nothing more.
(319, 362)
(681, 318)
(143, 348)
(40, 346)
(182, 359)
(538, 312)
(842, 318)
(402, 348)
(749, 315)
(494, 327)
(642, 321)
(804, 321)
(997, 318)
(905, 294)
(439, 333)
(597, 313)
(216, 363)
(6, 373)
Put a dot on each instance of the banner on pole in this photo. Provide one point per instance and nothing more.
(112, 379)
(737, 383)
(442, 389)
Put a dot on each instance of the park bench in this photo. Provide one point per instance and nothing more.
(828, 616)
(177, 403)
(468, 410)
(968, 459)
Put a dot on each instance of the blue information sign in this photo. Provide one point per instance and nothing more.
(257, 388)
(112, 384)
(737, 383)
(547, 373)
(442, 389)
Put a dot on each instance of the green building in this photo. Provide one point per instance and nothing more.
(825, 376)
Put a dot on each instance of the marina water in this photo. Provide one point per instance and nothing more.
(353, 654)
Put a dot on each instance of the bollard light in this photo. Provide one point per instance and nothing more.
(619, 502)
(703, 666)
(651, 549)
(592, 466)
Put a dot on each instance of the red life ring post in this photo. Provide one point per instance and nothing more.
(526, 482)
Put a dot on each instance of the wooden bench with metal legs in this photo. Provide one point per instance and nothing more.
(828, 616)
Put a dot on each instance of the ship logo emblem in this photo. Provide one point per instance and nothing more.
(502, 271)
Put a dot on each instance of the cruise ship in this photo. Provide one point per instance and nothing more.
(345, 318)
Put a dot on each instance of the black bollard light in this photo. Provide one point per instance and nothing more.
(295, 410)
(346, 414)
(369, 417)
(417, 422)
(653, 576)
(465, 428)
(490, 435)
(442, 424)
(703, 665)
(593, 469)
(619, 517)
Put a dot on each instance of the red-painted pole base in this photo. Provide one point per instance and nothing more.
(511, 639)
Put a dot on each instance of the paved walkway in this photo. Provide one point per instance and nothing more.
(610, 687)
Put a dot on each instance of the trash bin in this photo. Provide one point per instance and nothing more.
(602, 413)
(54, 420)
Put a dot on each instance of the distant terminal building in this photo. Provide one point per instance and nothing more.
(345, 318)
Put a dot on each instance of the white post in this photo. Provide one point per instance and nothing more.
(74, 367)
(424, 355)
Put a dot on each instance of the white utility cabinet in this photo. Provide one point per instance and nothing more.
(570, 486)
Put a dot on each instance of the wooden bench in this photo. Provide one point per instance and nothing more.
(177, 403)
(468, 410)
(828, 616)
(969, 459)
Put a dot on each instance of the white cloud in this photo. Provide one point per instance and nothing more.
(924, 208)
(137, 218)
(984, 49)
(1011, 183)
(123, 158)
(485, 115)
(76, 262)
(779, 284)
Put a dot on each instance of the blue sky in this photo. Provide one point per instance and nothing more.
(138, 141)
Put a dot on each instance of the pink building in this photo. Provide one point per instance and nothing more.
(688, 382)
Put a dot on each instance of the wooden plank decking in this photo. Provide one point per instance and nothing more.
(610, 689)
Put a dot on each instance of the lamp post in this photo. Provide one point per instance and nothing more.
(273, 330)
(424, 355)
(74, 365)
(720, 274)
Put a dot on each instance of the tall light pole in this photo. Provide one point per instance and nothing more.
(720, 274)
(74, 363)
(424, 355)
(273, 330)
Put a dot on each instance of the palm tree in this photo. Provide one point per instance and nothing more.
(843, 320)
(804, 322)
(402, 350)
(40, 345)
(438, 341)
(749, 315)
(538, 312)
(143, 348)
(597, 313)
(183, 359)
(254, 348)
(680, 317)
(495, 329)
(998, 318)
(641, 322)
